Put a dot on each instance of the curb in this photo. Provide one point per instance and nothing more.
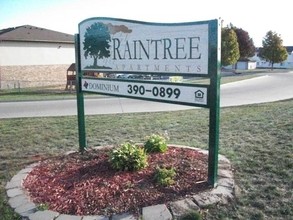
(19, 200)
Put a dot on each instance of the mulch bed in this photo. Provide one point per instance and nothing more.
(86, 184)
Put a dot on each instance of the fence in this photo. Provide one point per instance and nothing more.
(22, 84)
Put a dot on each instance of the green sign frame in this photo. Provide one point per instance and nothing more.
(179, 49)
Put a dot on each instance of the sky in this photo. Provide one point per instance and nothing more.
(255, 17)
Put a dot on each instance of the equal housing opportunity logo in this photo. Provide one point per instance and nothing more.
(118, 45)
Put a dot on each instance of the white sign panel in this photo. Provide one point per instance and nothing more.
(173, 93)
(117, 45)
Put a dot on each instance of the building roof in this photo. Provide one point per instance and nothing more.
(71, 67)
(28, 33)
(289, 49)
(246, 60)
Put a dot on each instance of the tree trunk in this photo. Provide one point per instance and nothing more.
(95, 61)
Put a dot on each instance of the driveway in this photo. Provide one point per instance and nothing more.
(268, 88)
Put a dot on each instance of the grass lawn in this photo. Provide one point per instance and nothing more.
(39, 93)
(256, 138)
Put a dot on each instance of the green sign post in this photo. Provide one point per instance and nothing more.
(108, 45)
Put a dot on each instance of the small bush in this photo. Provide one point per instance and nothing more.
(164, 176)
(43, 207)
(128, 157)
(155, 143)
(192, 215)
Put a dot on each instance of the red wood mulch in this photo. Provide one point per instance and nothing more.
(87, 185)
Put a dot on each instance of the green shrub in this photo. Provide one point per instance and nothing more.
(192, 215)
(42, 207)
(155, 143)
(164, 176)
(128, 157)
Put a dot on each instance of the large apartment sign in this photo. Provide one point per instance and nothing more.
(116, 45)
(110, 45)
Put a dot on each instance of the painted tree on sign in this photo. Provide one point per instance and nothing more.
(273, 49)
(230, 48)
(96, 42)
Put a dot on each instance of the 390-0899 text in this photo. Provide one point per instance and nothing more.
(156, 91)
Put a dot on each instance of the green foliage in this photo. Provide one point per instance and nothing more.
(246, 45)
(128, 157)
(6, 212)
(42, 207)
(192, 215)
(164, 176)
(229, 48)
(273, 49)
(156, 143)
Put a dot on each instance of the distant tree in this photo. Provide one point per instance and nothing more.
(273, 49)
(229, 48)
(246, 45)
(96, 42)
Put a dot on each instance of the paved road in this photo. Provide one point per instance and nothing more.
(267, 88)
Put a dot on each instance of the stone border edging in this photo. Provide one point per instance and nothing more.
(19, 200)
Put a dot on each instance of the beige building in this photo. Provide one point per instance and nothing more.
(32, 56)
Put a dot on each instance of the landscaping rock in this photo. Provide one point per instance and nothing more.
(26, 170)
(44, 215)
(26, 209)
(225, 173)
(182, 207)
(225, 193)
(226, 182)
(125, 216)
(68, 217)
(98, 217)
(13, 184)
(156, 212)
(17, 201)
(206, 199)
(14, 192)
